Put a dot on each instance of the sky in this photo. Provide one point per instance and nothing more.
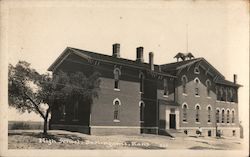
(38, 32)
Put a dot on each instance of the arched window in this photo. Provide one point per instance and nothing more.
(116, 104)
(184, 111)
(197, 115)
(208, 85)
(233, 116)
(222, 116)
(117, 73)
(196, 70)
(209, 109)
(141, 76)
(184, 81)
(197, 82)
(217, 115)
(228, 115)
(142, 106)
(76, 106)
(165, 86)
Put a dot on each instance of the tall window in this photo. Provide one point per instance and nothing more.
(63, 112)
(197, 115)
(209, 114)
(228, 115)
(222, 116)
(233, 116)
(76, 106)
(184, 109)
(184, 83)
(217, 93)
(117, 74)
(222, 94)
(165, 85)
(142, 106)
(116, 104)
(197, 81)
(231, 95)
(208, 85)
(217, 116)
(141, 76)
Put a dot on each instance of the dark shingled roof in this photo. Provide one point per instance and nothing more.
(175, 65)
(226, 82)
(108, 58)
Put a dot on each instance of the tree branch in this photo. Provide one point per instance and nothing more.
(35, 105)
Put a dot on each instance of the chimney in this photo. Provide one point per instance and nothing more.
(235, 78)
(139, 54)
(151, 60)
(116, 50)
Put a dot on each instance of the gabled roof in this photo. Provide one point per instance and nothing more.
(182, 64)
(104, 58)
(177, 65)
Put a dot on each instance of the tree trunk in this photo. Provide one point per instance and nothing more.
(45, 124)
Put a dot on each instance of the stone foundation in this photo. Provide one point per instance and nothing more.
(76, 128)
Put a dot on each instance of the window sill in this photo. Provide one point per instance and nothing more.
(141, 121)
(165, 96)
(184, 122)
(209, 97)
(184, 94)
(209, 122)
(232, 102)
(116, 120)
(141, 92)
(116, 89)
(197, 96)
(197, 122)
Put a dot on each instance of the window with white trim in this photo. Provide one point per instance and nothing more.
(222, 116)
(196, 70)
(228, 116)
(117, 73)
(197, 82)
(197, 115)
(116, 105)
(233, 116)
(217, 116)
(184, 83)
(209, 114)
(208, 85)
(184, 110)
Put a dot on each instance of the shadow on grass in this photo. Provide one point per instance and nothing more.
(55, 137)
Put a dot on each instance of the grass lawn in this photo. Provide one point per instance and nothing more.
(58, 139)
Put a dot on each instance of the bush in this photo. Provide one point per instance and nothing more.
(15, 125)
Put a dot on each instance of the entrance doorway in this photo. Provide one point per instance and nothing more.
(172, 119)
